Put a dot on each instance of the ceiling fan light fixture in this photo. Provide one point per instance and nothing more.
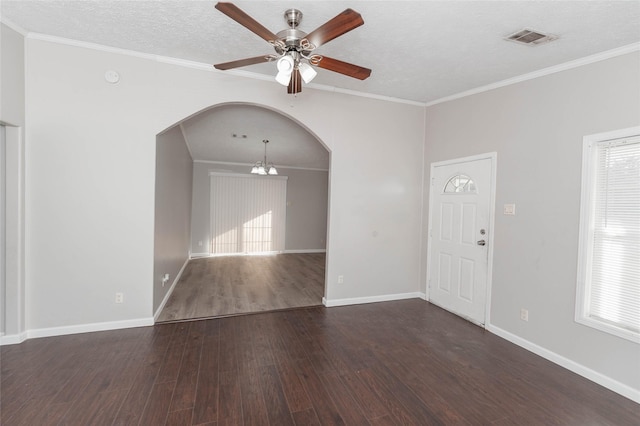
(283, 78)
(285, 68)
(307, 72)
(292, 46)
(285, 64)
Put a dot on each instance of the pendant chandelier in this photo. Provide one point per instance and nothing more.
(262, 167)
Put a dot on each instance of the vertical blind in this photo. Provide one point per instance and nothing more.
(614, 281)
(248, 214)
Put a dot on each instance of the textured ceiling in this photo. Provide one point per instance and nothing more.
(419, 51)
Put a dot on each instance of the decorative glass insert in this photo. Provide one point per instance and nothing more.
(460, 184)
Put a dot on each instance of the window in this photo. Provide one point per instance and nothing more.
(458, 184)
(608, 295)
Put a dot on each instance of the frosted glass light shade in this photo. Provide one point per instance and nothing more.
(307, 72)
(285, 64)
(283, 78)
(285, 68)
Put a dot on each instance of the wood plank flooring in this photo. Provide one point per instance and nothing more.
(404, 362)
(231, 285)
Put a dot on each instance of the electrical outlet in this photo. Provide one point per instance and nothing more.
(524, 314)
(509, 209)
(119, 297)
(340, 279)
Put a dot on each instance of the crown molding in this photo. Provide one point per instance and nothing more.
(88, 45)
(15, 27)
(230, 163)
(608, 54)
(204, 66)
(623, 50)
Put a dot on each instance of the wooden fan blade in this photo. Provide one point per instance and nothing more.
(235, 13)
(343, 23)
(242, 62)
(295, 84)
(345, 68)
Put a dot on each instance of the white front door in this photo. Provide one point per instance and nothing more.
(459, 229)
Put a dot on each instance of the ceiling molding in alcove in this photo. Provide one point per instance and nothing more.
(209, 135)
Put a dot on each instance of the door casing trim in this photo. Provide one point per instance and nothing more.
(493, 156)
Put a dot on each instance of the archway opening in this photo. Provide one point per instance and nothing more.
(207, 267)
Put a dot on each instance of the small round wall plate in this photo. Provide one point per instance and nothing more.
(112, 76)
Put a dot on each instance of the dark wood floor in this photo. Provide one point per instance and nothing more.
(231, 285)
(404, 362)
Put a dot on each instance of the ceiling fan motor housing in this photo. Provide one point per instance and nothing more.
(291, 38)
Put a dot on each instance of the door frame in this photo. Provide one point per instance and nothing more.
(13, 303)
(493, 156)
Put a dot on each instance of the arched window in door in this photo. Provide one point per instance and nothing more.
(459, 184)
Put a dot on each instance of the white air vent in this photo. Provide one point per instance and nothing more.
(531, 37)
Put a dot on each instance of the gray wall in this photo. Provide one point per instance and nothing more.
(12, 113)
(11, 76)
(373, 240)
(174, 169)
(306, 207)
(536, 127)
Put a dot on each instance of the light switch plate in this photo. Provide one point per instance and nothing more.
(509, 209)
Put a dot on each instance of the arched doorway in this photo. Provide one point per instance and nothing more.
(226, 140)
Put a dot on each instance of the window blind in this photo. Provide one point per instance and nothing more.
(613, 284)
(248, 213)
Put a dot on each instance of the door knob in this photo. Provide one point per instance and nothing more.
(482, 242)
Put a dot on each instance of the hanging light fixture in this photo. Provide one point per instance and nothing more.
(292, 62)
(262, 167)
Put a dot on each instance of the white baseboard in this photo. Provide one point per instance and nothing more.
(166, 296)
(371, 299)
(200, 255)
(594, 376)
(13, 339)
(75, 329)
(197, 255)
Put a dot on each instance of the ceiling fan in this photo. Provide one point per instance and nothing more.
(295, 49)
